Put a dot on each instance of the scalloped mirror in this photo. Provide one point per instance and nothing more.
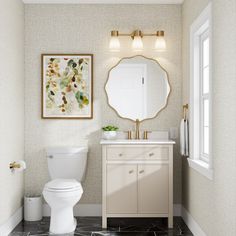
(137, 88)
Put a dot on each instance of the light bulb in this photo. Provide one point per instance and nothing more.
(114, 42)
(160, 44)
(137, 43)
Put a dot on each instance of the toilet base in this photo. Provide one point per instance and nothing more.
(62, 221)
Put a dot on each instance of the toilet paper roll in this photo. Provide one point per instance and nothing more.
(22, 166)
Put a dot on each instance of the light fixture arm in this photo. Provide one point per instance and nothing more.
(137, 33)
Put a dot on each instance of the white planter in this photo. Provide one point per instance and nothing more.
(109, 134)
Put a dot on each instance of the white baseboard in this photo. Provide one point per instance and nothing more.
(12, 222)
(96, 210)
(191, 223)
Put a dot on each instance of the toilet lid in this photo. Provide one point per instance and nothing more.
(63, 184)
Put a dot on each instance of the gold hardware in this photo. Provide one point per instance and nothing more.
(129, 133)
(160, 33)
(114, 33)
(14, 165)
(131, 171)
(145, 134)
(141, 171)
(137, 33)
(137, 125)
(185, 108)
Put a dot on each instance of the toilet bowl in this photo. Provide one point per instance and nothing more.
(61, 195)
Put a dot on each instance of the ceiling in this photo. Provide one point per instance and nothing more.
(104, 1)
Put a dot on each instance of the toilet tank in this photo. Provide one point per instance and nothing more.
(67, 162)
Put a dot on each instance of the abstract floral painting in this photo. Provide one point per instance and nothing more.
(67, 86)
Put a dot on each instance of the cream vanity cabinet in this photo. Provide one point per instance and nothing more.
(137, 179)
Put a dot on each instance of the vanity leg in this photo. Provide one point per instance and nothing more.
(170, 222)
(104, 222)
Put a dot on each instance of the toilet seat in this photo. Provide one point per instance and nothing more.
(63, 185)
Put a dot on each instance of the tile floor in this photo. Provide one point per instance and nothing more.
(92, 226)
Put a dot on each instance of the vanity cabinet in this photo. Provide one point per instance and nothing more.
(137, 180)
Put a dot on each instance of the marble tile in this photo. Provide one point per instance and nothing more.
(123, 234)
(19, 234)
(92, 226)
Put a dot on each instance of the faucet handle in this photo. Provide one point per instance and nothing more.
(145, 134)
(129, 134)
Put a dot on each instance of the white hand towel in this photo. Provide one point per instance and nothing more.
(186, 137)
(184, 133)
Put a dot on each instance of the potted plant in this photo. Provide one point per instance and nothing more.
(109, 132)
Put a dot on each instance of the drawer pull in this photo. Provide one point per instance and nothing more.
(141, 171)
(120, 155)
(151, 154)
(131, 171)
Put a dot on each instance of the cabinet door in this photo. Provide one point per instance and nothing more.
(121, 188)
(153, 186)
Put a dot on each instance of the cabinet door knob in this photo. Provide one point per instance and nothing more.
(131, 171)
(120, 155)
(151, 154)
(141, 171)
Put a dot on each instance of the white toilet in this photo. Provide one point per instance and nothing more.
(66, 169)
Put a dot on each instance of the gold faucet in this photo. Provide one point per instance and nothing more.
(137, 125)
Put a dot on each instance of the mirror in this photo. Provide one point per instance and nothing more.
(137, 88)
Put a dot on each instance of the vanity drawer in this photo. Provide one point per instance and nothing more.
(138, 153)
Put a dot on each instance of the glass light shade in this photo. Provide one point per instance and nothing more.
(137, 43)
(114, 44)
(160, 44)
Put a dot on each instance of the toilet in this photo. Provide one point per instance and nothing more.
(66, 166)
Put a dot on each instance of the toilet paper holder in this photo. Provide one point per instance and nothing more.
(17, 165)
(14, 165)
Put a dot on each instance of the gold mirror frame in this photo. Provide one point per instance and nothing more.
(168, 81)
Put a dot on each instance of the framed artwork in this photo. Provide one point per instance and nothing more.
(67, 86)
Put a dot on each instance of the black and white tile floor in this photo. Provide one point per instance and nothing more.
(92, 226)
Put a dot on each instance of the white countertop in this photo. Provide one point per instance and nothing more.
(135, 141)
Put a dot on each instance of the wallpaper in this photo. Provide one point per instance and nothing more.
(86, 29)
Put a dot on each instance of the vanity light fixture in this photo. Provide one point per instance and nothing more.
(114, 42)
(160, 44)
(137, 44)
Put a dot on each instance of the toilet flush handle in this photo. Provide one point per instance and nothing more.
(50, 156)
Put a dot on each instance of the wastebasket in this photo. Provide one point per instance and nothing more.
(33, 209)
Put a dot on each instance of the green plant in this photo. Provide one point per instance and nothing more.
(110, 128)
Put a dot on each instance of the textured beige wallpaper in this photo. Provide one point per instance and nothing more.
(213, 203)
(12, 106)
(86, 29)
